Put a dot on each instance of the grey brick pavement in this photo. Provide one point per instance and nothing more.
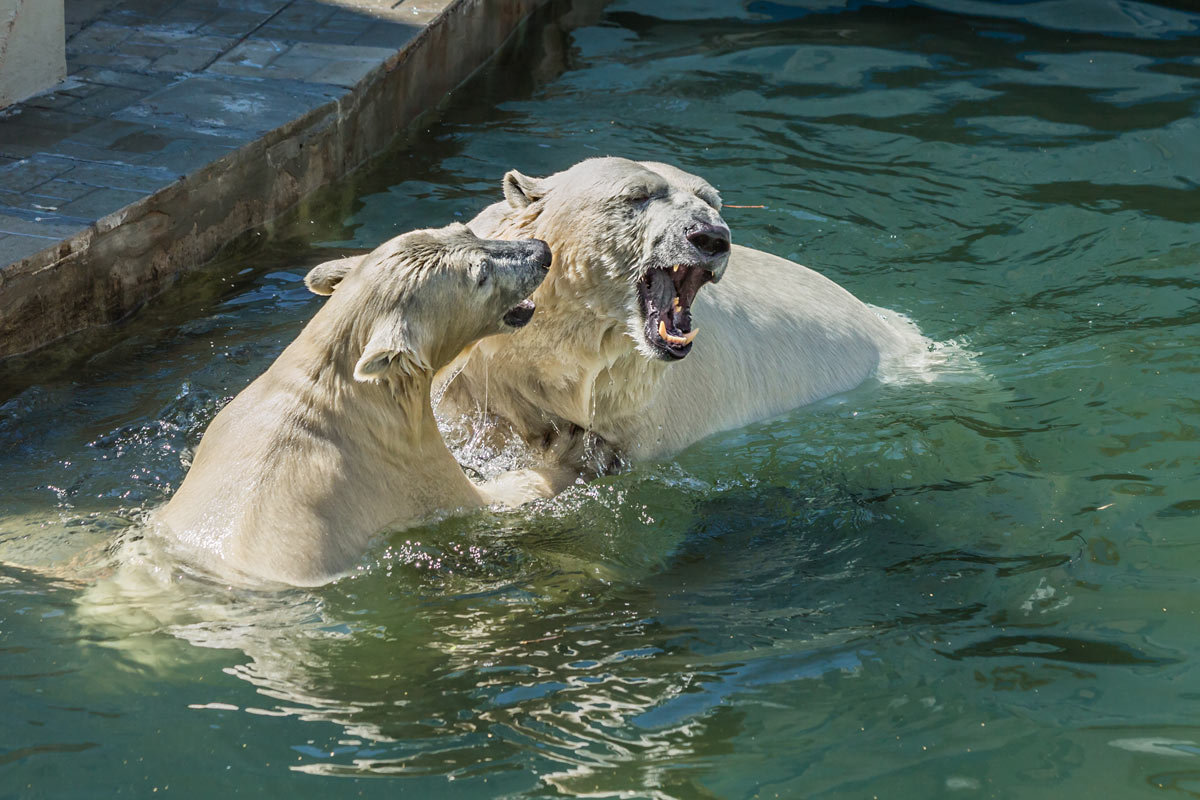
(160, 88)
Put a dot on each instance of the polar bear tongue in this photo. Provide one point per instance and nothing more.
(687, 281)
(659, 293)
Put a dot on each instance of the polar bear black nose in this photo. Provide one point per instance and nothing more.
(543, 253)
(711, 240)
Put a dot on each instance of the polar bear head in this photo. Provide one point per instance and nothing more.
(633, 243)
(417, 300)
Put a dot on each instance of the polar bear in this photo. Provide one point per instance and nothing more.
(336, 441)
(633, 355)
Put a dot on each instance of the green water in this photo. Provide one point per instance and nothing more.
(979, 587)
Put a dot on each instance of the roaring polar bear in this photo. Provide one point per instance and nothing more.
(336, 441)
(633, 355)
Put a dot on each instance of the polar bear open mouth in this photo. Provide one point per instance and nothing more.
(667, 296)
(519, 315)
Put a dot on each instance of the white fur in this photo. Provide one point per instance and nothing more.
(582, 383)
(774, 335)
(337, 442)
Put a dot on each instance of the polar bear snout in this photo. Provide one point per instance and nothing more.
(526, 261)
(709, 243)
(522, 257)
(710, 240)
(519, 267)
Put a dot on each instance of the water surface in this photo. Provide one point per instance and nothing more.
(977, 587)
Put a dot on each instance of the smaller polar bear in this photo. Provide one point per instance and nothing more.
(336, 441)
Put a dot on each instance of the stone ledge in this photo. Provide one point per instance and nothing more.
(134, 174)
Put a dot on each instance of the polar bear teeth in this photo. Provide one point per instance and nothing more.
(666, 295)
(676, 340)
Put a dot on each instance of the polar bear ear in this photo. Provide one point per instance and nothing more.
(521, 190)
(323, 278)
(391, 347)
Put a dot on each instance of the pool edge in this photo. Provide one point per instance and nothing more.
(110, 268)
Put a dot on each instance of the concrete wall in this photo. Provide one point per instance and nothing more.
(32, 48)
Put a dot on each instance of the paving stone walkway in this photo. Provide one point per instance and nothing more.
(160, 88)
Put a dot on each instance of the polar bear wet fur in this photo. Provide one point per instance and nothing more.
(336, 441)
(632, 348)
